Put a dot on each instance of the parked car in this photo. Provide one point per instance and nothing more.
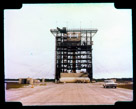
(109, 83)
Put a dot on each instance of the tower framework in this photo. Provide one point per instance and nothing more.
(73, 51)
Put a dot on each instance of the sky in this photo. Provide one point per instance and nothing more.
(29, 46)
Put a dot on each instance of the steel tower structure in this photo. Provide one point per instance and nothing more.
(73, 50)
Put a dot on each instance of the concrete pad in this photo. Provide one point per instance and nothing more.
(68, 94)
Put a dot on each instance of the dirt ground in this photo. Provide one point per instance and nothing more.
(69, 94)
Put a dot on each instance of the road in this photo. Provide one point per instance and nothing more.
(69, 94)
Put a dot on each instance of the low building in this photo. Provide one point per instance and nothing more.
(28, 81)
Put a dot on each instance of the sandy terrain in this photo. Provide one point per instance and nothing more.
(69, 94)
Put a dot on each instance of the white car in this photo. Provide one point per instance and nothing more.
(109, 83)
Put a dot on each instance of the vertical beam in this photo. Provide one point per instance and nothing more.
(73, 62)
(86, 37)
(86, 51)
(91, 74)
(55, 57)
(57, 68)
(63, 52)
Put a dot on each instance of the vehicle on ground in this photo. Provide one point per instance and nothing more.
(109, 84)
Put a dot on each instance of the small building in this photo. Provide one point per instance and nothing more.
(25, 81)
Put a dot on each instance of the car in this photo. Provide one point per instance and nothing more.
(109, 83)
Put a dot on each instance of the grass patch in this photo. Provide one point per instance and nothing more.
(126, 86)
(14, 85)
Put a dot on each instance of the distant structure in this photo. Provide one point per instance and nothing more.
(73, 51)
(28, 81)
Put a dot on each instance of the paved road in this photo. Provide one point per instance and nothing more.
(69, 94)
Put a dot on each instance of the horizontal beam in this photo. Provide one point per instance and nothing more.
(90, 30)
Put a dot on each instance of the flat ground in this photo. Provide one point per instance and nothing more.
(69, 94)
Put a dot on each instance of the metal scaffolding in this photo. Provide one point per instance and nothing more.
(73, 50)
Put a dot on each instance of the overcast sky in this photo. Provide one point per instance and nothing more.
(29, 46)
